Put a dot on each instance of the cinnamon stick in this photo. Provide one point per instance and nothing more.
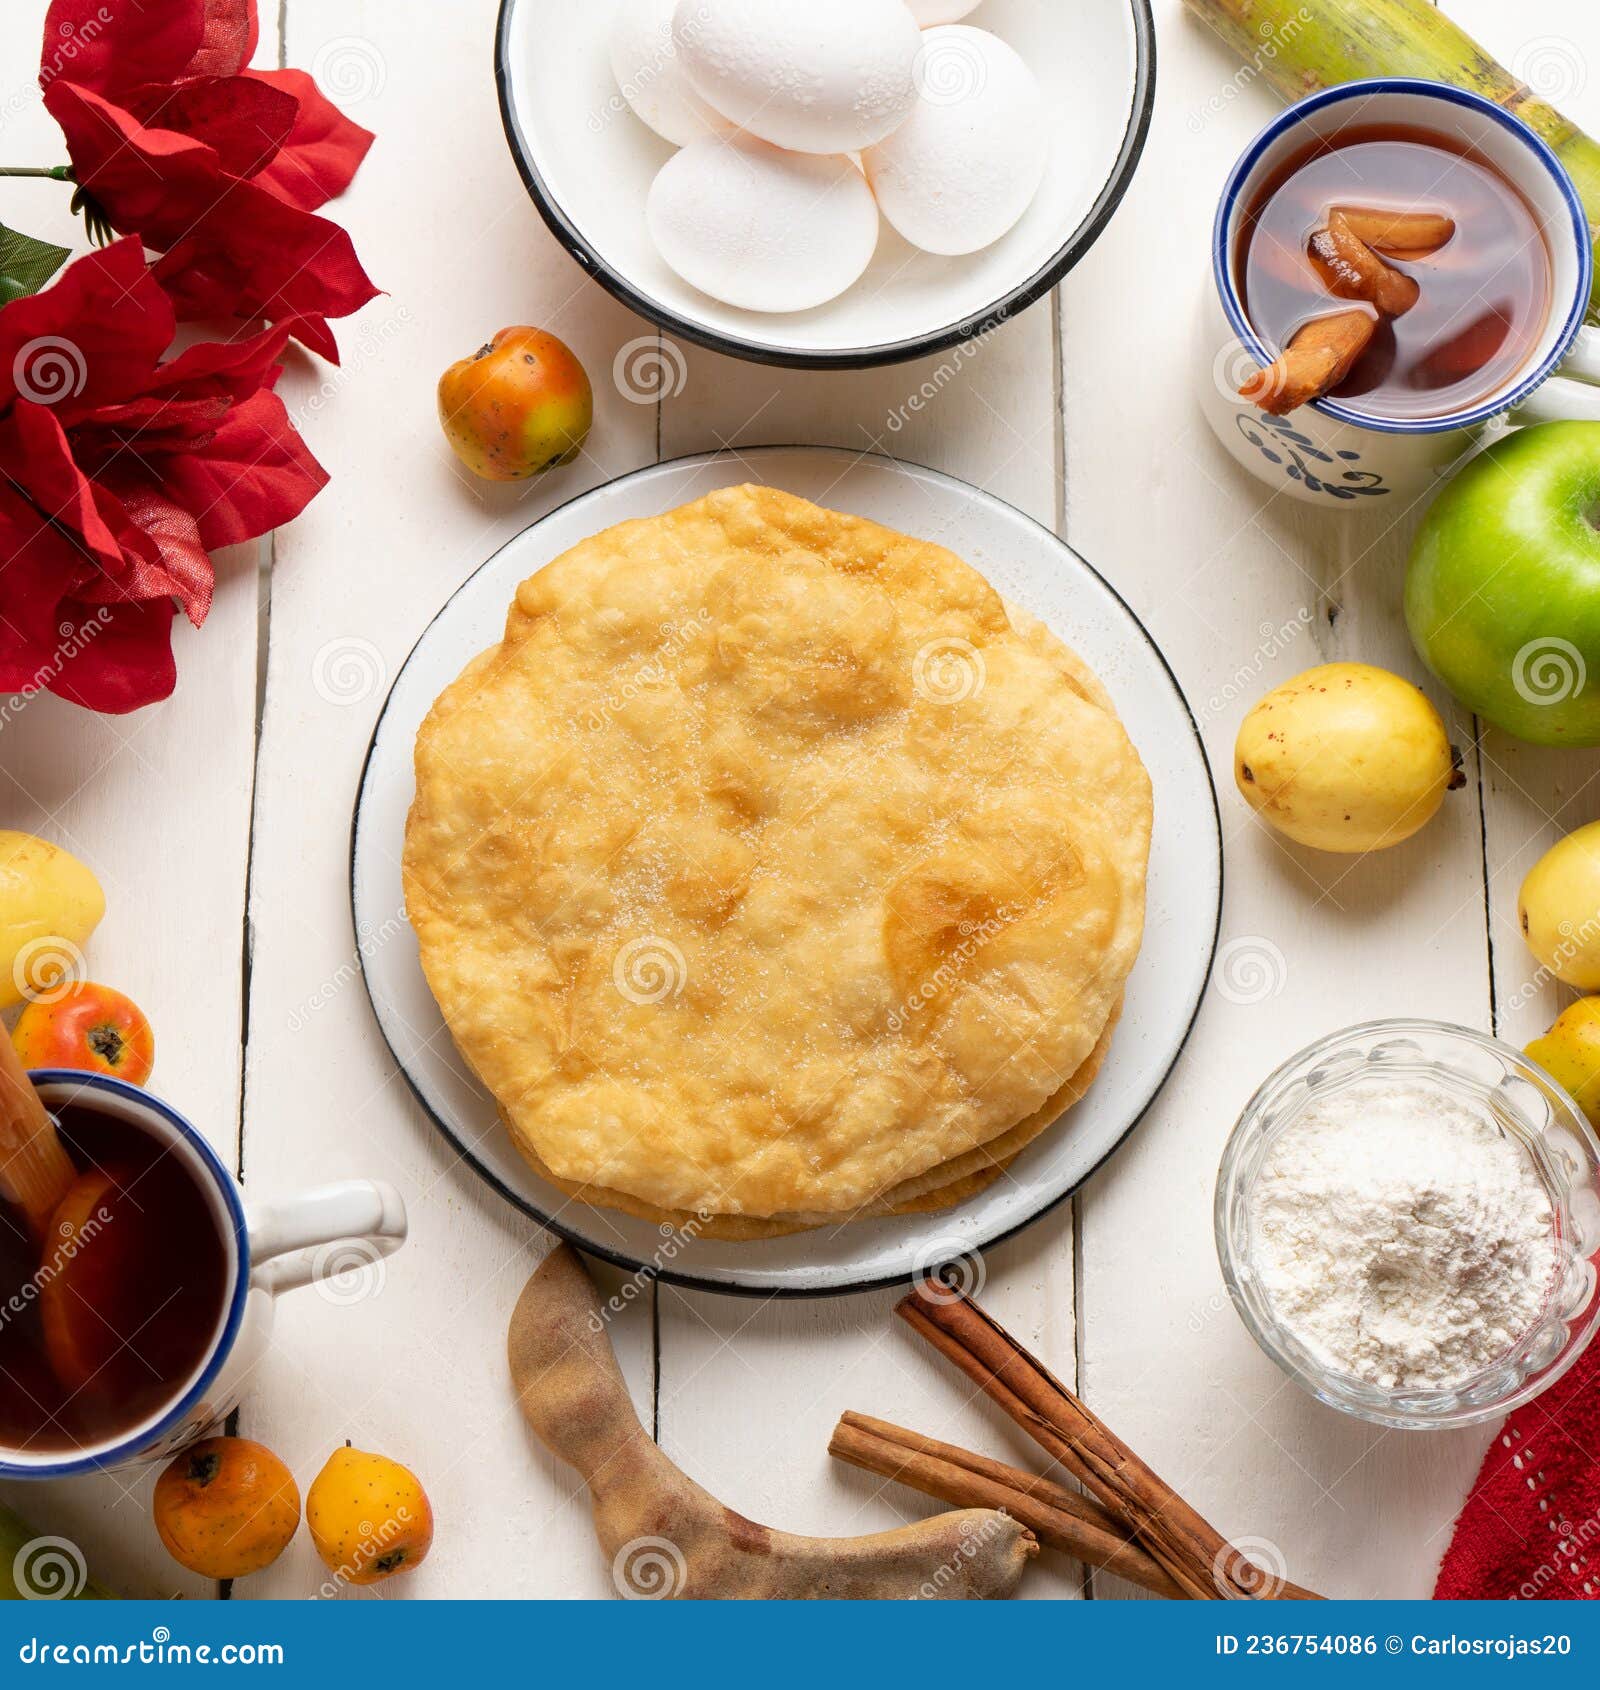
(1061, 1518)
(1317, 359)
(35, 1171)
(1197, 1558)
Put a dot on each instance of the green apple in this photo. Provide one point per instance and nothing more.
(1503, 592)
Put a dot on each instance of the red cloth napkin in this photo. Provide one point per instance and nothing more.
(1530, 1528)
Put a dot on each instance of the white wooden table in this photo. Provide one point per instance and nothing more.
(219, 824)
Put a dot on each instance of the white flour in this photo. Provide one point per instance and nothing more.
(1401, 1236)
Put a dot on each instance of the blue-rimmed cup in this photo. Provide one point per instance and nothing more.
(268, 1248)
(1331, 452)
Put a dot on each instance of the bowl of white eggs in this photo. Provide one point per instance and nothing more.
(826, 183)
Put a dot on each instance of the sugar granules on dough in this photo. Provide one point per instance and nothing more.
(1401, 1236)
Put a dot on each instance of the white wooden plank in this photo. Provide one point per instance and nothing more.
(418, 1372)
(1242, 593)
(1534, 795)
(750, 1392)
(158, 804)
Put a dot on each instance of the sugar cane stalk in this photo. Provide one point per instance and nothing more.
(34, 1566)
(1299, 46)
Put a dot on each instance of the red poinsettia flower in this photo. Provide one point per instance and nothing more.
(119, 473)
(218, 168)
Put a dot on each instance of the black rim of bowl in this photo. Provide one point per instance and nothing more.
(619, 1258)
(860, 357)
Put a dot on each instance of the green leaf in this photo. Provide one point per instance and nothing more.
(26, 264)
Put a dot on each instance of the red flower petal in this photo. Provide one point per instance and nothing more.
(235, 248)
(54, 484)
(184, 571)
(113, 46)
(322, 151)
(118, 657)
(154, 181)
(137, 544)
(37, 569)
(257, 257)
(228, 39)
(233, 367)
(89, 339)
(253, 475)
(243, 120)
(313, 333)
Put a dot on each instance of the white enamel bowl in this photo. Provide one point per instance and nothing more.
(588, 163)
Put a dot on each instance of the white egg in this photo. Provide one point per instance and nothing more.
(816, 76)
(929, 12)
(966, 163)
(760, 228)
(650, 73)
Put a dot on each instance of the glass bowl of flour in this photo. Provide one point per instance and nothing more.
(1406, 1214)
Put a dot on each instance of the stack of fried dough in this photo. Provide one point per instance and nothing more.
(772, 872)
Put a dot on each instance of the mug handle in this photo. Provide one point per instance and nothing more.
(1573, 392)
(287, 1239)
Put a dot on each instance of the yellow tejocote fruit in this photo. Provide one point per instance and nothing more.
(1345, 757)
(1571, 1053)
(49, 905)
(1559, 909)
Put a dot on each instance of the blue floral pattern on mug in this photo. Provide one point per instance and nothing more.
(1279, 442)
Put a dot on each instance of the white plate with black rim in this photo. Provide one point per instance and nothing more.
(588, 163)
(1026, 563)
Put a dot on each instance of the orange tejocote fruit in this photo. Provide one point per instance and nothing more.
(369, 1517)
(226, 1507)
(519, 405)
(87, 1026)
